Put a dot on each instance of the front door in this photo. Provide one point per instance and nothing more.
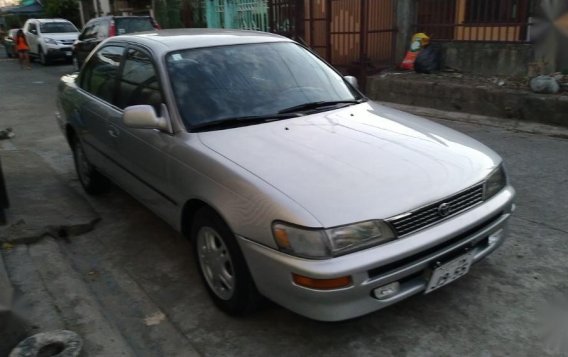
(144, 153)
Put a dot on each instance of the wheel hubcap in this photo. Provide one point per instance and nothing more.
(216, 263)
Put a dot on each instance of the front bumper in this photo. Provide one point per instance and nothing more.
(480, 230)
(55, 52)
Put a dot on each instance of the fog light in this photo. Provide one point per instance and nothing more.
(495, 237)
(386, 291)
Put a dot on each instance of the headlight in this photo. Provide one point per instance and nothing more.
(326, 243)
(50, 41)
(495, 182)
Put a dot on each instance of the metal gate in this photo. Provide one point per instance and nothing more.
(356, 36)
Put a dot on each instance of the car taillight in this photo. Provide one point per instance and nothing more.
(112, 29)
(156, 25)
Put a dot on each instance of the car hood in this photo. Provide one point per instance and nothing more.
(361, 162)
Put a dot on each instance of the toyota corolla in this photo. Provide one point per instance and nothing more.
(288, 181)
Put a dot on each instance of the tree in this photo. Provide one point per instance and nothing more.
(67, 9)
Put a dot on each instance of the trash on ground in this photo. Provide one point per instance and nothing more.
(544, 85)
(7, 133)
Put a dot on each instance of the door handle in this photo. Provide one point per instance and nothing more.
(112, 131)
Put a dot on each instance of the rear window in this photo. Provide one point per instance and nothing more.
(129, 25)
(57, 27)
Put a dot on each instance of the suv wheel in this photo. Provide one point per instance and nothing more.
(42, 59)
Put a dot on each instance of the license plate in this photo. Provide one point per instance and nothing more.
(450, 271)
(68, 53)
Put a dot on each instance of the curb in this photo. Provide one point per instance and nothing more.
(500, 103)
(509, 124)
(6, 289)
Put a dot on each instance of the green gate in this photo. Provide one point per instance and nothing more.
(237, 14)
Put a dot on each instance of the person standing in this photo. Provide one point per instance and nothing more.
(23, 49)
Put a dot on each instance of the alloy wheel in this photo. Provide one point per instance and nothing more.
(216, 263)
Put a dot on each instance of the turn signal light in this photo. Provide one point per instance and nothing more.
(322, 284)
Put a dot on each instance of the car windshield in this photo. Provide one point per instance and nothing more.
(251, 81)
(133, 24)
(57, 27)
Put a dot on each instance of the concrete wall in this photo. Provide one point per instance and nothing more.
(498, 102)
(488, 58)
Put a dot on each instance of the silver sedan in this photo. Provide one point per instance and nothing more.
(290, 183)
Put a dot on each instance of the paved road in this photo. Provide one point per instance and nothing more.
(142, 275)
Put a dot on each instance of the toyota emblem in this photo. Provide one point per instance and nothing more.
(444, 209)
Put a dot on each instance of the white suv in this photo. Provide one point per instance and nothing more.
(50, 39)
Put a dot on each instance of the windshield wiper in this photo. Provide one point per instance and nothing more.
(233, 122)
(319, 105)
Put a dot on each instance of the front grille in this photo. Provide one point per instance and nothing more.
(413, 259)
(66, 42)
(431, 214)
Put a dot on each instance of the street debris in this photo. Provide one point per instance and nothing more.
(7, 133)
(53, 343)
(154, 319)
(545, 85)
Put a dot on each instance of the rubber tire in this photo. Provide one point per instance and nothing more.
(68, 341)
(42, 59)
(96, 183)
(246, 297)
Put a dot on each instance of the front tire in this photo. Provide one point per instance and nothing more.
(42, 58)
(221, 264)
(92, 181)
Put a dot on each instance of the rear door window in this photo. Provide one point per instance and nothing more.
(133, 24)
(99, 77)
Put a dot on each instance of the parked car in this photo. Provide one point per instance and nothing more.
(101, 28)
(10, 43)
(50, 39)
(289, 182)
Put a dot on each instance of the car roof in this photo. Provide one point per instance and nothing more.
(119, 18)
(51, 20)
(171, 40)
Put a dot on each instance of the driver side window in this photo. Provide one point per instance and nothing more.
(139, 82)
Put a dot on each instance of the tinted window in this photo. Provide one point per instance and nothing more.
(133, 24)
(57, 27)
(101, 72)
(31, 27)
(139, 82)
(247, 80)
(88, 32)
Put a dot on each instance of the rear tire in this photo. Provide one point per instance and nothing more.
(221, 264)
(92, 181)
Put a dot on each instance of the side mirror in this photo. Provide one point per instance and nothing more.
(144, 117)
(34, 31)
(352, 80)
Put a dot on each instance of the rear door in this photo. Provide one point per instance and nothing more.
(97, 106)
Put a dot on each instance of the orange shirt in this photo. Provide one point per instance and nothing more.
(21, 44)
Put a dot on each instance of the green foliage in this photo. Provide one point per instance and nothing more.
(168, 13)
(66, 9)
